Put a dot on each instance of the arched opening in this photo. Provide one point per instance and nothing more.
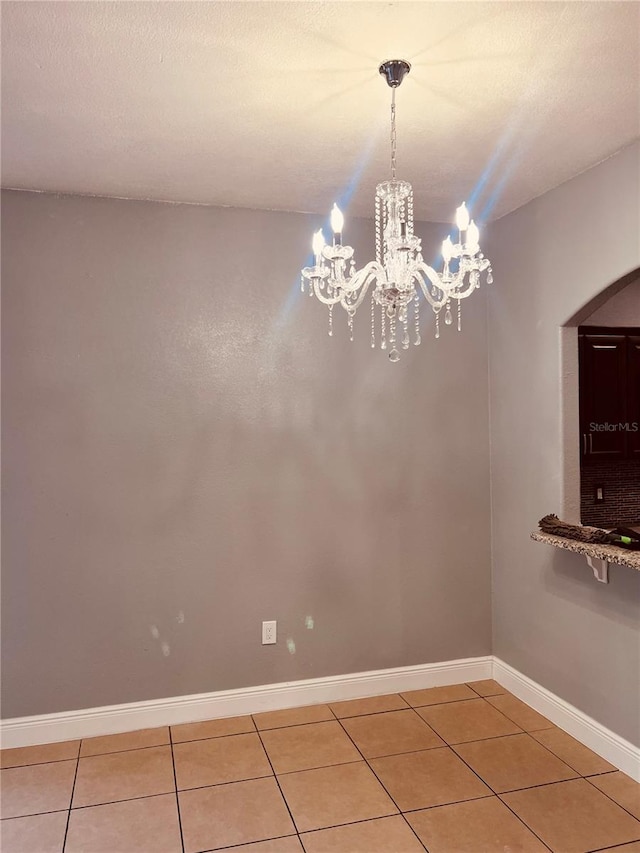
(618, 305)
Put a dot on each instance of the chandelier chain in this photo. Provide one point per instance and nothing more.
(393, 134)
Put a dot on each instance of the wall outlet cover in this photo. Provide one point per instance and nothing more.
(269, 633)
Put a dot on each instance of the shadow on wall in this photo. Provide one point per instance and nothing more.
(569, 577)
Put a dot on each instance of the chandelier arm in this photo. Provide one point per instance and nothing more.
(369, 273)
(424, 270)
(359, 276)
(473, 265)
(466, 291)
(327, 300)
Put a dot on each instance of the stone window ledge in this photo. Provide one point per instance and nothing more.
(598, 556)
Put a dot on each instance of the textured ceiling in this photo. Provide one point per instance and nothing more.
(279, 105)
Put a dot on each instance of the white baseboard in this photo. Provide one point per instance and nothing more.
(613, 748)
(113, 719)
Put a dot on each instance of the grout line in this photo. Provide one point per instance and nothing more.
(373, 713)
(602, 773)
(37, 763)
(505, 692)
(115, 802)
(515, 722)
(297, 725)
(295, 825)
(123, 751)
(482, 739)
(175, 781)
(222, 784)
(439, 704)
(384, 788)
(622, 847)
(502, 801)
(32, 814)
(320, 767)
(624, 808)
(356, 822)
(198, 739)
(239, 847)
(540, 785)
(488, 796)
(564, 761)
(73, 788)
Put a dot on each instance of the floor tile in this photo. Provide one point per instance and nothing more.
(390, 733)
(573, 817)
(479, 826)
(572, 752)
(122, 742)
(372, 705)
(509, 763)
(290, 844)
(212, 728)
(43, 833)
(634, 847)
(521, 714)
(217, 760)
(438, 695)
(418, 780)
(25, 755)
(335, 795)
(149, 824)
(370, 836)
(292, 717)
(488, 687)
(306, 747)
(621, 788)
(458, 722)
(123, 775)
(233, 814)
(38, 788)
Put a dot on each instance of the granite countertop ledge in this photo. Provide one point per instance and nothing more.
(609, 553)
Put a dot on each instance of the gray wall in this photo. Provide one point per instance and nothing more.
(187, 453)
(551, 619)
(623, 309)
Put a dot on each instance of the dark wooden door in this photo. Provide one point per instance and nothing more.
(603, 395)
(633, 396)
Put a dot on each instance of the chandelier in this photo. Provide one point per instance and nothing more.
(399, 274)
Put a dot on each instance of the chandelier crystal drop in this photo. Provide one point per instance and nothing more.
(399, 274)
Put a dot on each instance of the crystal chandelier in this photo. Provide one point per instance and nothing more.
(399, 274)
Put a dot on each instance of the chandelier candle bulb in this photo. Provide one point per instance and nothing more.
(337, 224)
(473, 238)
(399, 274)
(318, 245)
(462, 217)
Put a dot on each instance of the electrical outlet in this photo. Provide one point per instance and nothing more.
(599, 494)
(268, 633)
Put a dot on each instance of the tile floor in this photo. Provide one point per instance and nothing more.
(462, 769)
